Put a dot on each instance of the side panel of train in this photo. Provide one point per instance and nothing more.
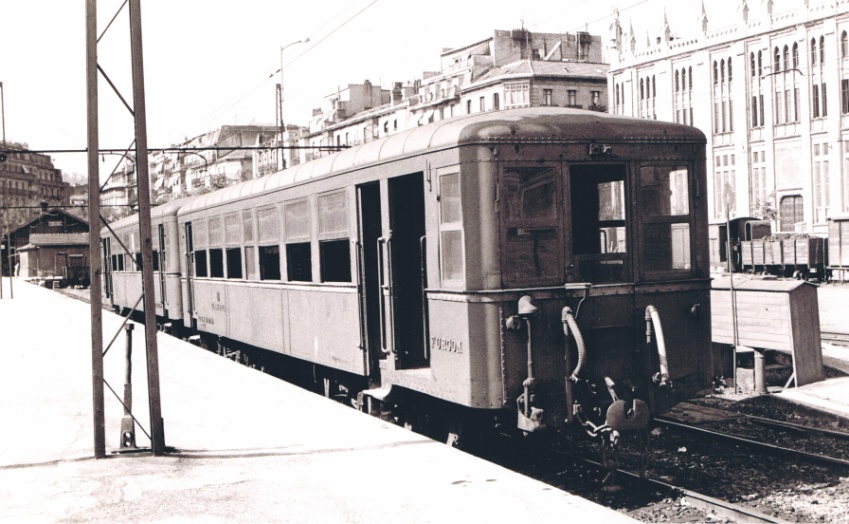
(122, 262)
(517, 264)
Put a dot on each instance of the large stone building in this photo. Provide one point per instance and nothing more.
(771, 92)
(27, 180)
(516, 68)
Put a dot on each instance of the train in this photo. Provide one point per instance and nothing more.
(754, 248)
(536, 269)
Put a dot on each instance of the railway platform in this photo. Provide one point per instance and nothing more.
(243, 446)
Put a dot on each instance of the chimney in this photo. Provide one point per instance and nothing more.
(397, 93)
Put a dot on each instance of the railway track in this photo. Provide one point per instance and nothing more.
(835, 338)
(699, 475)
(752, 469)
(622, 489)
(767, 447)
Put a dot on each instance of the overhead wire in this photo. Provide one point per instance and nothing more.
(241, 98)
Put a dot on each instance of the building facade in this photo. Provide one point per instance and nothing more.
(26, 180)
(54, 244)
(771, 93)
(517, 68)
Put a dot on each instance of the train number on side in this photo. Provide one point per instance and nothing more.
(446, 344)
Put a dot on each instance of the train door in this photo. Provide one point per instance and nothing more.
(159, 265)
(406, 270)
(190, 272)
(107, 267)
(373, 334)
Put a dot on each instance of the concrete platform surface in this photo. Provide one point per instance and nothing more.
(248, 447)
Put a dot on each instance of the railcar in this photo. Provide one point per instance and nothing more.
(754, 249)
(121, 250)
(540, 267)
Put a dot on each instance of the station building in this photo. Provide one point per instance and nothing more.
(53, 245)
(771, 92)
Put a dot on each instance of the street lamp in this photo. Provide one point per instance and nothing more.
(280, 98)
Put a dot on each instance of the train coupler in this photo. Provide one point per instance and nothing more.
(623, 415)
(530, 418)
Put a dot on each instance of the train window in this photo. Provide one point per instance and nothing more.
(200, 263)
(533, 250)
(451, 231)
(299, 262)
(199, 236)
(664, 191)
(449, 198)
(250, 263)
(216, 263)
(232, 229)
(234, 262)
(599, 231)
(335, 256)
(215, 233)
(297, 221)
(332, 216)
(298, 250)
(665, 206)
(333, 250)
(666, 246)
(247, 226)
(155, 260)
(269, 262)
(267, 224)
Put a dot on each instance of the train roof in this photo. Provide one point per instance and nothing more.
(528, 125)
(169, 208)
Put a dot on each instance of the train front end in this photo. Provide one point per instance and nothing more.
(593, 270)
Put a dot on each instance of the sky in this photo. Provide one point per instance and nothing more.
(209, 63)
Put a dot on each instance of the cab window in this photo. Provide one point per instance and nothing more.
(599, 227)
(451, 227)
(665, 204)
(532, 233)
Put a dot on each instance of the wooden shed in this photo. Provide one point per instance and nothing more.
(781, 315)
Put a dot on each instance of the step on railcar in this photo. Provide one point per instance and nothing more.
(538, 266)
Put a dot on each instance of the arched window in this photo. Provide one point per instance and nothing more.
(822, 50)
(715, 72)
(653, 87)
(752, 64)
(677, 79)
(722, 71)
(684, 79)
(760, 63)
(786, 56)
(729, 71)
(844, 45)
(795, 55)
(776, 60)
(690, 74)
(813, 51)
(642, 90)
